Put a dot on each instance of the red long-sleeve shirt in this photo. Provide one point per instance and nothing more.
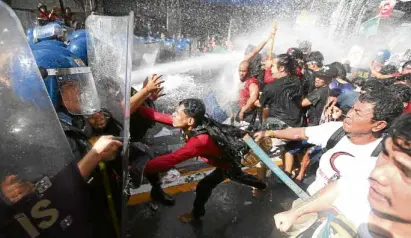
(407, 109)
(268, 78)
(201, 145)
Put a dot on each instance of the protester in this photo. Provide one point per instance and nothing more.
(376, 205)
(362, 131)
(314, 62)
(44, 14)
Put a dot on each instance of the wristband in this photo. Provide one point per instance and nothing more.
(270, 133)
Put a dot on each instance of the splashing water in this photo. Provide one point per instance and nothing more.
(196, 77)
(198, 64)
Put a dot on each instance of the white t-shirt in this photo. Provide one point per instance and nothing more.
(352, 202)
(319, 135)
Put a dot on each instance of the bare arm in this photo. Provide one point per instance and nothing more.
(254, 91)
(305, 103)
(138, 99)
(104, 149)
(377, 74)
(153, 84)
(88, 163)
(321, 201)
(297, 133)
(257, 49)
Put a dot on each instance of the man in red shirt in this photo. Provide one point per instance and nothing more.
(248, 95)
(206, 139)
(44, 14)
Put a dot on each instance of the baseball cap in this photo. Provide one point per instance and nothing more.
(327, 72)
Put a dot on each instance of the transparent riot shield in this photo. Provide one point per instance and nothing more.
(109, 49)
(33, 144)
(145, 54)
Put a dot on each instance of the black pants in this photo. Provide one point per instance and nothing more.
(207, 184)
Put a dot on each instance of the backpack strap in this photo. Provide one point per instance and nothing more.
(377, 149)
(334, 139)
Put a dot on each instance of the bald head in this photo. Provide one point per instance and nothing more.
(243, 70)
(245, 64)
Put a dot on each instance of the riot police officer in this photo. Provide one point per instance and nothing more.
(44, 191)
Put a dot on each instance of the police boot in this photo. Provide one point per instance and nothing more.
(157, 194)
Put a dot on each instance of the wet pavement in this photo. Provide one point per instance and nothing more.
(232, 211)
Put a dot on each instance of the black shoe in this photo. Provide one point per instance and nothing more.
(157, 194)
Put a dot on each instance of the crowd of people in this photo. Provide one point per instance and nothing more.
(344, 123)
(356, 130)
(55, 14)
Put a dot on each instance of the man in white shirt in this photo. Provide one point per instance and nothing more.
(379, 207)
(363, 128)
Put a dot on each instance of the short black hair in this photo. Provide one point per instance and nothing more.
(406, 64)
(195, 108)
(287, 62)
(402, 91)
(406, 78)
(401, 131)
(387, 106)
(373, 85)
(317, 57)
(358, 81)
(342, 73)
(388, 69)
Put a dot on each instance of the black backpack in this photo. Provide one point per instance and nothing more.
(228, 137)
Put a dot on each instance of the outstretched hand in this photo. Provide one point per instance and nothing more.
(157, 94)
(154, 83)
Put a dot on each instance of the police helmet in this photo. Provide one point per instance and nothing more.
(69, 83)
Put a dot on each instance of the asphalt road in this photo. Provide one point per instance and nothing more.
(232, 211)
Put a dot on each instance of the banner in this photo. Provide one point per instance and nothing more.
(386, 7)
(370, 27)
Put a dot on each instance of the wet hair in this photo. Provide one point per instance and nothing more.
(387, 107)
(406, 78)
(295, 53)
(305, 46)
(195, 108)
(408, 63)
(401, 131)
(388, 69)
(402, 91)
(254, 66)
(358, 81)
(373, 85)
(341, 72)
(228, 137)
(317, 57)
(289, 64)
(347, 66)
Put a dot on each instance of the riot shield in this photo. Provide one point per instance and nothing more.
(145, 55)
(109, 49)
(33, 144)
